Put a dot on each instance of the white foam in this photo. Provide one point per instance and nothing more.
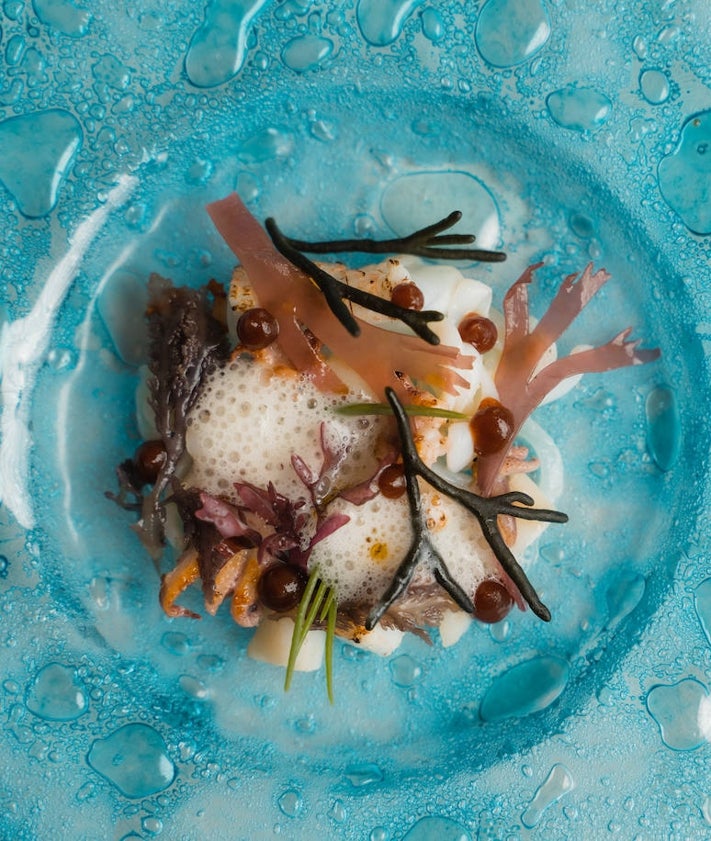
(249, 421)
(253, 416)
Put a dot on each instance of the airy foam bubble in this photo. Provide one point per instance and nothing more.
(250, 420)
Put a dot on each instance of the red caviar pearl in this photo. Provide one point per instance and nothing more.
(492, 427)
(148, 459)
(391, 481)
(281, 587)
(257, 328)
(492, 601)
(478, 331)
(408, 296)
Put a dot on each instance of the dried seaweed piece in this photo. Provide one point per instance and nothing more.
(380, 357)
(420, 607)
(485, 509)
(426, 242)
(521, 387)
(335, 292)
(185, 341)
(130, 485)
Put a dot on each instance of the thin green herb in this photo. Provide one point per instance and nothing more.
(357, 409)
(319, 600)
(330, 636)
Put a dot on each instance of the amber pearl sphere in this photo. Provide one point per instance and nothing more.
(148, 459)
(492, 601)
(257, 328)
(391, 482)
(479, 331)
(281, 587)
(408, 296)
(491, 426)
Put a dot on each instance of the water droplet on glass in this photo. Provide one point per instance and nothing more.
(405, 670)
(87, 791)
(364, 775)
(623, 597)
(306, 52)
(654, 86)
(509, 32)
(432, 25)
(379, 833)
(193, 687)
(246, 185)
(270, 144)
(211, 663)
(61, 359)
(382, 21)
(218, 47)
(683, 712)
(599, 469)
(553, 553)
(582, 225)
(639, 45)
(558, 782)
(338, 811)
(36, 153)
(525, 688)
(175, 642)
(500, 631)
(685, 175)
(434, 827)
(668, 34)
(199, 172)
(13, 8)
(353, 653)
(579, 109)
(63, 16)
(290, 803)
(57, 694)
(121, 303)
(702, 603)
(307, 724)
(109, 70)
(663, 427)
(152, 825)
(415, 200)
(323, 131)
(706, 810)
(133, 758)
(15, 50)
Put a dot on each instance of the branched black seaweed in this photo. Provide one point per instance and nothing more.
(426, 242)
(485, 509)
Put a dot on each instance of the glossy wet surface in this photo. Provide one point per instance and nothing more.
(116, 717)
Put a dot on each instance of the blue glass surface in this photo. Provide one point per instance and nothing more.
(568, 133)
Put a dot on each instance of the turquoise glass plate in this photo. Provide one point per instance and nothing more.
(567, 133)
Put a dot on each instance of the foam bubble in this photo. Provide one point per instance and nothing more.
(250, 420)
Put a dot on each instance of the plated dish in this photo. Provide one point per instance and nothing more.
(116, 715)
(288, 490)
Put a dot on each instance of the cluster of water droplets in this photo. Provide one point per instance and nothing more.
(62, 145)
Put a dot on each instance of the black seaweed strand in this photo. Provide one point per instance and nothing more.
(336, 293)
(426, 242)
(485, 509)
